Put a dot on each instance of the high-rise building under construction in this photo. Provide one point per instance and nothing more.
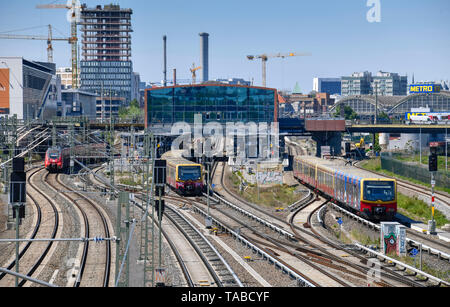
(106, 67)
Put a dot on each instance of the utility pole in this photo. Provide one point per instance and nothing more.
(153, 153)
(206, 160)
(376, 103)
(144, 230)
(54, 135)
(433, 168)
(111, 143)
(72, 163)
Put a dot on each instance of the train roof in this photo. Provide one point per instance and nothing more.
(176, 157)
(338, 165)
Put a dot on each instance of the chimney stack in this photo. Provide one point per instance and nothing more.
(204, 55)
(165, 60)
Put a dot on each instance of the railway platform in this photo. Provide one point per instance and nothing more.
(442, 234)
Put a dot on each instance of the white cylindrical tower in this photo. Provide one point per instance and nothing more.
(204, 55)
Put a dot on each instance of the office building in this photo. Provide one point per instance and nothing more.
(356, 84)
(77, 103)
(382, 84)
(331, 86)
(309, 105)
(28, 89)
(106, 67)
(389, 84)
(215, 102)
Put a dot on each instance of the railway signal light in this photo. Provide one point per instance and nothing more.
(433, 163)
(160, 172)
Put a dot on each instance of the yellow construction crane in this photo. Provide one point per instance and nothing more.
(49, 40)
(193, 71)
(74, 10)
(266, 57)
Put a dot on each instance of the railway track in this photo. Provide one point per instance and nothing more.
(219, 270)
(228, 222)
(92, 271)
(214, 269)
(415, 239)
(388, 273)
(319, 257)
(47, 225)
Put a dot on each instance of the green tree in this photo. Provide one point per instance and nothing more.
(348, 111)
(133, 112)
(376, 143)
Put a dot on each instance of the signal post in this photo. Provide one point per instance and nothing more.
(433, 168)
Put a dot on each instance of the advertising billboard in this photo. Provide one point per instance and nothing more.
(424, 88)
(4, 91)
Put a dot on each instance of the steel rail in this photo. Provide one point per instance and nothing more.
(35, 231)
(86, 232)
(53, 235)
(106, 276)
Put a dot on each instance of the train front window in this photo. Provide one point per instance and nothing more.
(186, 173)
(379, 190)
(53, 154)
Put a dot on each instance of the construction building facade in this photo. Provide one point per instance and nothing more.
(106, 67)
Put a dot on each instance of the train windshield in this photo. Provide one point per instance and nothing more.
(186, 173)
(53, 154)
(379, 190)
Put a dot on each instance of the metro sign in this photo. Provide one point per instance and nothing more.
(424, 88)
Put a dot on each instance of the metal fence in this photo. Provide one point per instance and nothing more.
(413, 170)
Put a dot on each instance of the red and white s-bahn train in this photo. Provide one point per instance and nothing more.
(182, 175)
(57, 159)
(372, 196)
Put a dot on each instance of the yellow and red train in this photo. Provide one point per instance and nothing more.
(182, 175)
(374, 197)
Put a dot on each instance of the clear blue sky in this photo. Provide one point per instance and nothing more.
(412, 37)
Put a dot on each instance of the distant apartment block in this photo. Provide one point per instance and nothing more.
(389, 84)
(382, 84)
(331, 86)
(356, 84)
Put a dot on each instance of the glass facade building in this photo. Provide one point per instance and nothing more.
(216, 103)
(331, 86)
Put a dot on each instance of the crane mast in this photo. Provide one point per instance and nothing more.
(49, 40)
(74, 9)
(193, 71)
